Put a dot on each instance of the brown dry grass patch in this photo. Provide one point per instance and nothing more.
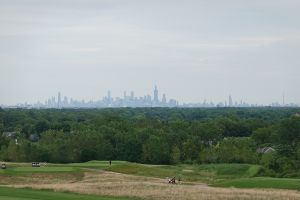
(115, 184)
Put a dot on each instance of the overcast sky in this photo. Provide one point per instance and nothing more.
(192, 49)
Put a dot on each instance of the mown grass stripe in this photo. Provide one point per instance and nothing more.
(7, 193)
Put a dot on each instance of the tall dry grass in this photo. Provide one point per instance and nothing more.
(109, 183)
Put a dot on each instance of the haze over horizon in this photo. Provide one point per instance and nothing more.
(193, 50)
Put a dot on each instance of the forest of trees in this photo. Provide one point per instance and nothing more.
(155, 135)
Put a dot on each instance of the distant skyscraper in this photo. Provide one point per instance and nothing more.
(58, 100)
(108, 95)
(53, 103)
(155, 98)
(65, 102)
(131, 95)
(230, 103)
(164, 99)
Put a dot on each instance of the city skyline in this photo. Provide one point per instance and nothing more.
(131, 100)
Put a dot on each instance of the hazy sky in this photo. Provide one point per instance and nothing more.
(192, 49)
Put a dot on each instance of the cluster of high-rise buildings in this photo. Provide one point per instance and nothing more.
(107, 101)
(130, 100)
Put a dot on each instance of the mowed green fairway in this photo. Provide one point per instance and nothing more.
(42, 169)
(262, 182)
(191, 173)
(29, 194)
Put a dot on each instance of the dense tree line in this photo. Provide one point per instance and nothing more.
(155, 135)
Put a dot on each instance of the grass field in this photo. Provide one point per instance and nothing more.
(29, 194)
(262, 182)
(204, 173)
(213, 181)
(220, 175)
